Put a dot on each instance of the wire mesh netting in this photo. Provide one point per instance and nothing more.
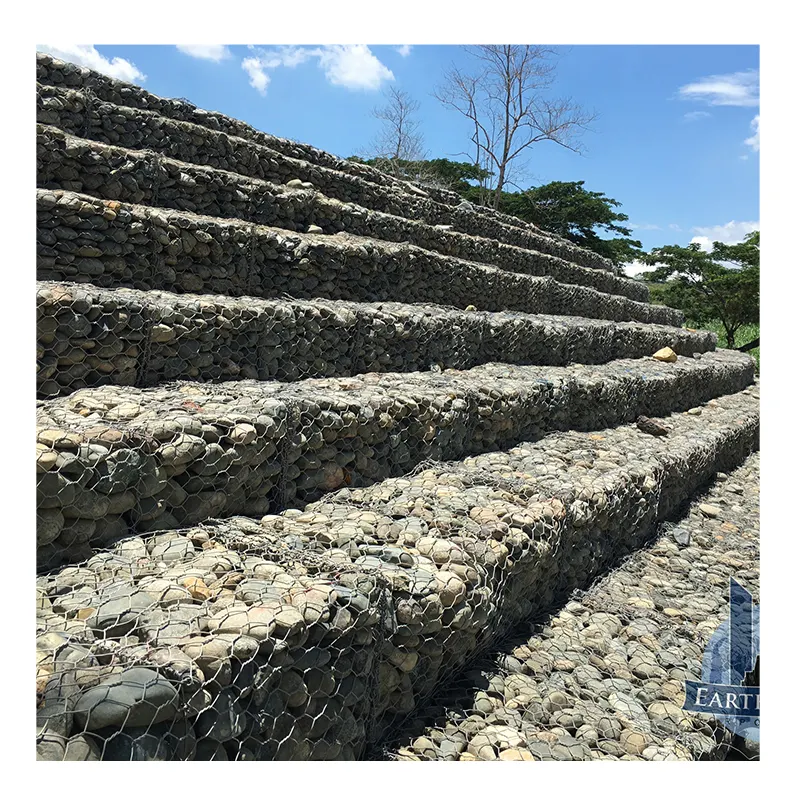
(134, 110)
(312, 634)
(604, 677)
(114, 459)
(313, 442)
(88, 336)
(114, 241)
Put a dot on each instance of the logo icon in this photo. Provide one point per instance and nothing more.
(730, 686)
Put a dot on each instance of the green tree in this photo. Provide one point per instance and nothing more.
(721, 284)
(568, 209)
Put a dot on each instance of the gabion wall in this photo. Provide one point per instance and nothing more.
(603, 678)
(353, 182)
(308, 635)
(282, 558)
(301, 206)
(109, 243)
(117, 458)
(88, 336)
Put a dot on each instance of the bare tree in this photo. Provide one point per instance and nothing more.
(399, 138)
(505, 101)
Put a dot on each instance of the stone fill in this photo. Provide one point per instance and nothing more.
(303, 636)
(313, 442)
(115, 458)
(89, 336)
(68, 222)
(487, 221)
(603, 678)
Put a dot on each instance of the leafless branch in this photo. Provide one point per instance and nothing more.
(508, 109)
(399, 138)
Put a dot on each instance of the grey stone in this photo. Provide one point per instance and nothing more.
(133, 698)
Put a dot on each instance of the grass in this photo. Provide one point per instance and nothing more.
(744, 335)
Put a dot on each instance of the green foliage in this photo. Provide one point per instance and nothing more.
(573, 212)
(453, 175)
(721, 285)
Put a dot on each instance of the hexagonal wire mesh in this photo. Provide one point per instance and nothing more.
(88, 336)
(96, 111)
(313, 634)
(224, 246)
(114, 459)
(310, 634)
(603, 677)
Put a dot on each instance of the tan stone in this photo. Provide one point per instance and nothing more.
(709, 511)
(515, 754)
(665, 354)
(634, 742)
(197, 588)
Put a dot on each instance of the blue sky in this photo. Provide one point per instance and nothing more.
(676, 138)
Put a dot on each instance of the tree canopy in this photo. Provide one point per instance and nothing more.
(721, 284)
(442, 172)
(571, 211)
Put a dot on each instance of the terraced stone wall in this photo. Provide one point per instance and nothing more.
(355, 179)
(92, 337)
(118, 458)
(76, 166)
(111, 244)
(306, 636)
(282, 557)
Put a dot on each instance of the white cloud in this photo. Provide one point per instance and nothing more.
(351, 66)
(729, 233)
(754, 141)
(705, 242)
(693, 116)
(674, 227)
(209, 52)
(403, 49)
(647, 226)
(733, 89)
(87, 55)
(636, 267)
(259, 79)
(354, 67)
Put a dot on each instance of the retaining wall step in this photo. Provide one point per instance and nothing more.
(440, 206)
(604, 678)
(306, 635)
(300, 207)
(84, 116)
(89, 336)
(109, 243)
(58, 169)
(117, 458)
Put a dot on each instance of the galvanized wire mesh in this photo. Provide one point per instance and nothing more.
(313, 634)
(115, 459)
(88, 336)
(110, 240)
(170, 627)
(604, 677)
(131, 116)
